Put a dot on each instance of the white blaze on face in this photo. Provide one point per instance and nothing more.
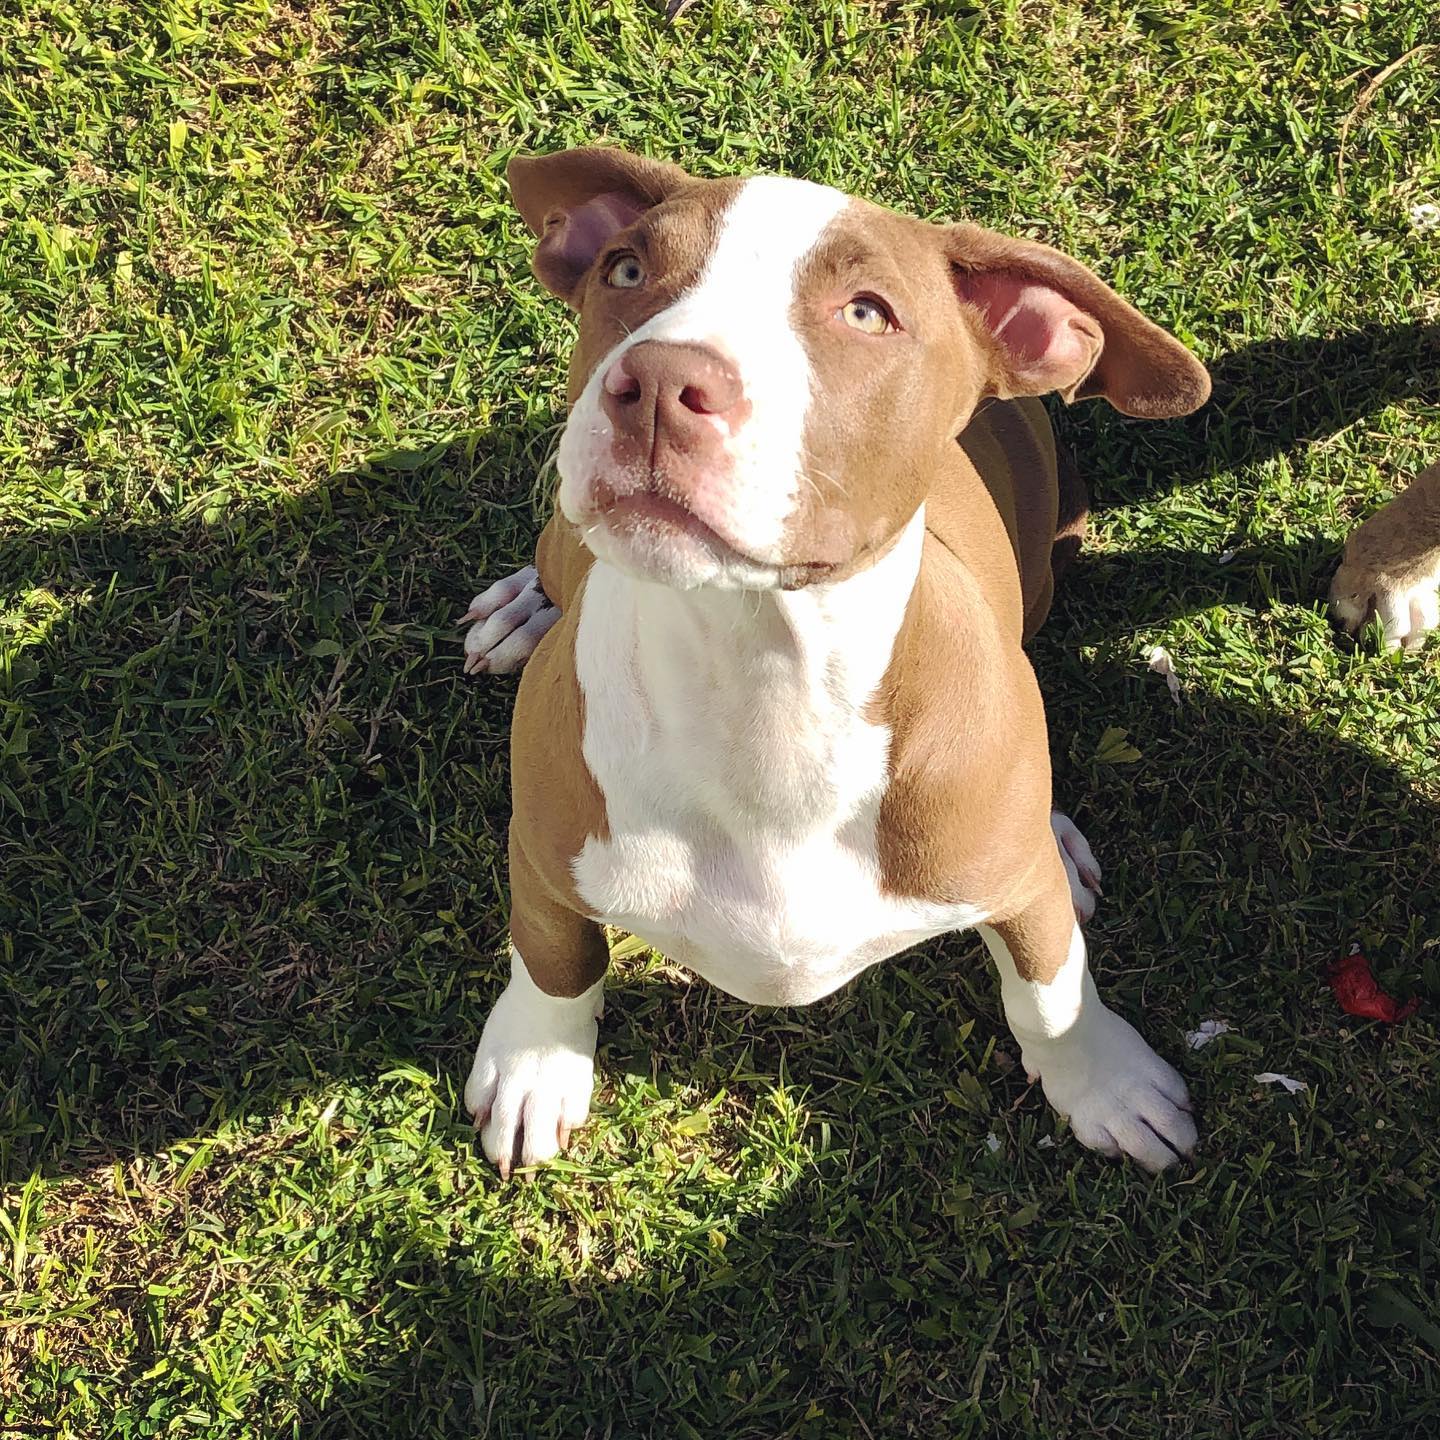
(741, 305)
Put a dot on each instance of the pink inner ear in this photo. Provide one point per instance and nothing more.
(1051, 342)
(575, 238)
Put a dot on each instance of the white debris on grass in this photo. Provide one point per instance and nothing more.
(1269, 1077)
(1045, 1142)
(1162, 662)
(1224, 557)
(1425, 215)
(992, 1142)
(1205, 1032)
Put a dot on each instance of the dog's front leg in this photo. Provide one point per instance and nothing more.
(535, 1065)
(1119, 1095)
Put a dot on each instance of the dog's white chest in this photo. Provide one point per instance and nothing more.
(742, 783)
(772, 925)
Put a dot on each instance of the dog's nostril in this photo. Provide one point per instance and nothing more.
(692, 397)
(621, 385)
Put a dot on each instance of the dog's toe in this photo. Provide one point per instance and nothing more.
(1082, 869)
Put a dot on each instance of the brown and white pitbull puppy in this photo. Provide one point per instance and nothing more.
(777, 718)
(1391, 569)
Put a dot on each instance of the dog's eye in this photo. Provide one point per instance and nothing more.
(626, 273)
(867, 314)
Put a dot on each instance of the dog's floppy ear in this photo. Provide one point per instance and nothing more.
(575, 200)
(1056, 326)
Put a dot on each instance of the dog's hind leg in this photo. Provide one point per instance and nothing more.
(507, 622)
(1082, 869)
(1074, 513)
(510, 619)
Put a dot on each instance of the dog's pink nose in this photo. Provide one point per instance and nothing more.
(659, 395)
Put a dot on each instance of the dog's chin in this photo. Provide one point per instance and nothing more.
(657, 539)
(675, 559)
(676, 562)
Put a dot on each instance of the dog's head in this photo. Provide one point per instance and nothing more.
(769, 371)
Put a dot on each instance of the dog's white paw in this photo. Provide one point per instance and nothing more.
(507, 622)
(1120, 1097)
(1407, 608)
(1391, 569)
(1082, 869)
(534, 1070)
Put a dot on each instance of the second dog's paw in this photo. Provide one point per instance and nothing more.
(507, 622)
(1082, 869)
(533, 1073)
(1391, 569)
(1408, 609)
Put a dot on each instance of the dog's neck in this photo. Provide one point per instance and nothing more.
(763, 693)
(836, 636)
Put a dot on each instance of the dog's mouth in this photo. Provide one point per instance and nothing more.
(645, 525)
(655, 512)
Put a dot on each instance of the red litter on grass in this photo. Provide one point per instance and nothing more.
(1358, 994)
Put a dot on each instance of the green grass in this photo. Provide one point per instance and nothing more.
(275, 387)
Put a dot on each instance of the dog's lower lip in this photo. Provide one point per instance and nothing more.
(646, 508)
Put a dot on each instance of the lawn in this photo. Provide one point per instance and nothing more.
(276, 392)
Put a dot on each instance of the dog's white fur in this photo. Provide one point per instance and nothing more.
(507, 621)
(1082, 869)
(1408, 609)
(1094, 1066)
(534, 1069)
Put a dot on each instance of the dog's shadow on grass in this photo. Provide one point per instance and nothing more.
(922, 1223)
(938, 1214)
